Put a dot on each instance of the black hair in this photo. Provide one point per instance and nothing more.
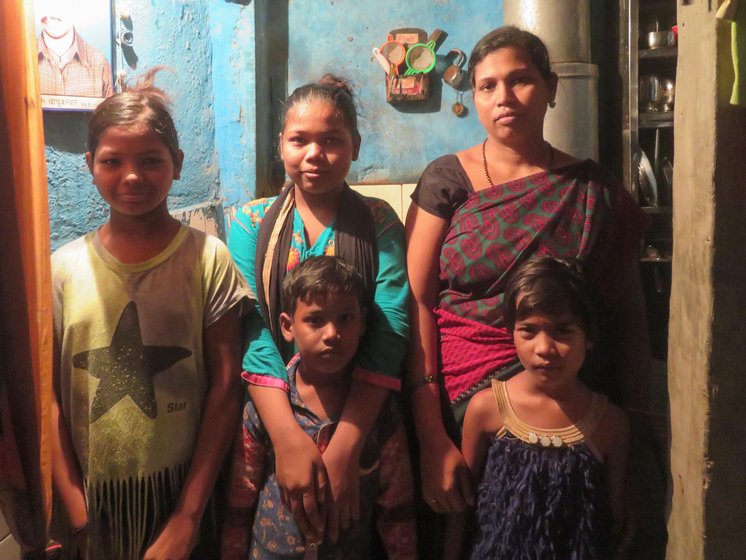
(318, 277)
(330, 89)
(510, 36)
(550, 286)
(140, 103)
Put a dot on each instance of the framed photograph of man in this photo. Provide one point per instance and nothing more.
(74, 39)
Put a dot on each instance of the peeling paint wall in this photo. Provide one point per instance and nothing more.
(234, 83)
(177, 34)
(211, 45)
(337, 36)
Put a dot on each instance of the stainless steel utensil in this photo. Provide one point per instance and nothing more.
(668, 94)
(648, 184)
(668, 172)
(658, 39)
(650, 93)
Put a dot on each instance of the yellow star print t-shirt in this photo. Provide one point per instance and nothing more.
(132, 376)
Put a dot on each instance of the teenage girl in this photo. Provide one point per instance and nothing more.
(147, 349)
(550, 453)
(318, 214)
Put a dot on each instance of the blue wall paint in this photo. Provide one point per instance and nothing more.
(74, 204)
(210, 45)
(337, 36)
(174, 34)
(234, 83)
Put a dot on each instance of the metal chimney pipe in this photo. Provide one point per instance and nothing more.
(564, 26)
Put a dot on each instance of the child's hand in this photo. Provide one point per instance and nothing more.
(177, 539)
(343, 469)
(446, 483)
(302, 480)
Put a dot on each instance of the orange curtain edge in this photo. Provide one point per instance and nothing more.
(27, 177)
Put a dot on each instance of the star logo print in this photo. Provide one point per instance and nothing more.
(126, 367)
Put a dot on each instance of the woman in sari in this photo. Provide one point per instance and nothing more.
(479, 213)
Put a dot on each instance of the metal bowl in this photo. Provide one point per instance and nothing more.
(657, 39)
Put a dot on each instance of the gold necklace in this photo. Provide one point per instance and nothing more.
(484, 160)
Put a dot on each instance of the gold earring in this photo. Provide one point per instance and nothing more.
(552, 104)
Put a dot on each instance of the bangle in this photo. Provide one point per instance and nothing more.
(78, 530)
(427, 380)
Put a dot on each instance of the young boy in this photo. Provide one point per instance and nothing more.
(324, 315)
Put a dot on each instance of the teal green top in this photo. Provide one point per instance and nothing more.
(379, 358)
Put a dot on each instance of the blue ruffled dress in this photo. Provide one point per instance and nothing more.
(543, 494)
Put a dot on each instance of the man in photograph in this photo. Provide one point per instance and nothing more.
(68, 65)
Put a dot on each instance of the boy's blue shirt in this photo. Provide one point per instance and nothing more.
(274, 528)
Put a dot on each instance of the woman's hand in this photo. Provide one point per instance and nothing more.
(177, 539)
(302, 480)
(445, 478)
(343, 469)
(446, 483)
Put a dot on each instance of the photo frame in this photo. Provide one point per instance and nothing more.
(75, 53)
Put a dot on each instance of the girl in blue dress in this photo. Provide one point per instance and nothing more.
(548, 453)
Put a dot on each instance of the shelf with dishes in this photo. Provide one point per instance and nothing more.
(654, 179)
(657, 95)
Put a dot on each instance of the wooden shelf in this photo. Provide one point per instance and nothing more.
(656, 120)
(659, 54)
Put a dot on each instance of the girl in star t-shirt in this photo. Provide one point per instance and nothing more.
(147, 351)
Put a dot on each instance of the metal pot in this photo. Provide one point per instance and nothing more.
(657, 39)
(563, 25)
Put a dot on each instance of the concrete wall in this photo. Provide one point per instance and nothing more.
(398, 141)
(227, 94)
(725, 501)
(209, 45)
(690, 342)
(234, 62)
(707, 330)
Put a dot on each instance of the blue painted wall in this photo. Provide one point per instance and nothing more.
(211, 46)
(176, 35)
(234, 84)
(337, 36)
